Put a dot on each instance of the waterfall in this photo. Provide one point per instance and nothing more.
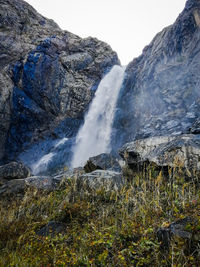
(94, 136)
(51, 158)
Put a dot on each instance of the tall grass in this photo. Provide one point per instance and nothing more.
(103, 228)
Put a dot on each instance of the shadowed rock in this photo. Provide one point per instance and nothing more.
(102, 162)
(52, 228)
(175, 229)
(14, 170)
(13, 189)
(18, 187)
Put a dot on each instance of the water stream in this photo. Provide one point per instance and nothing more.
(94, 136)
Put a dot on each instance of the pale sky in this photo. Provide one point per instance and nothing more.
(126, 25)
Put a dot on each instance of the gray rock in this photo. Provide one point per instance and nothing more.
(195, 129)
(175, 229)
(102, 162)
(43, 183)
(18, 187)
(69, 174)
(52, 228)
(160, 94)
(164, 151)
(109, 180)
(6, 87)
(13, 189)
(14, 170)
(47, 75)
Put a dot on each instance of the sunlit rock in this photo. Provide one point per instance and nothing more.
(164, 152)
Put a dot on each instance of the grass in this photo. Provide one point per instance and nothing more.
(103, 228)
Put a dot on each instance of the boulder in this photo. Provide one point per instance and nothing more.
(14, 170)
(95, 180)
(43, 183)
(52, 228)
(164, 151)
(102, 162)
(18, 187)
(182, 229)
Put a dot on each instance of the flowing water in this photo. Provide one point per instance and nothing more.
(43, 164)
(94, 136)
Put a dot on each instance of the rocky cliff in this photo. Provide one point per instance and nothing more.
(47, 77)
(160, 94)
(147, 214)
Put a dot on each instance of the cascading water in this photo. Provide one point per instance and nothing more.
(94, 136)
(43, 163)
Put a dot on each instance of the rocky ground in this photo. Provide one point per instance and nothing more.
(89, 221)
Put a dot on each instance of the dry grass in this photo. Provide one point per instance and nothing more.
(102, 228)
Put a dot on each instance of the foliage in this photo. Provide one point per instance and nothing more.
(103, 228)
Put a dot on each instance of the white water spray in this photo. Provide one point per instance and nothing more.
(94, 136)
(42, 164)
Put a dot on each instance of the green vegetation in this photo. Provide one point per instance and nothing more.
(102, 228)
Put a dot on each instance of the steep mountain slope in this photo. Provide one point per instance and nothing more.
(161, 91)
(47, 77)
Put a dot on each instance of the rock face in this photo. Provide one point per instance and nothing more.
(46, 76)
(164, 151)
(160, 94)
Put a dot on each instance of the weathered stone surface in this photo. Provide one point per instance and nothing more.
(18, 187)
(64, 175)
(160, 95)
(42, 182)
(52, 228)
(108, 180)
(13, 188)
(181, 229)
(47, 75)
(6, 86)
(181, 151)
(14, 170)
(195, 129)
(102, 162)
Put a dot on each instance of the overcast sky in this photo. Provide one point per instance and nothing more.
(127, 25)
